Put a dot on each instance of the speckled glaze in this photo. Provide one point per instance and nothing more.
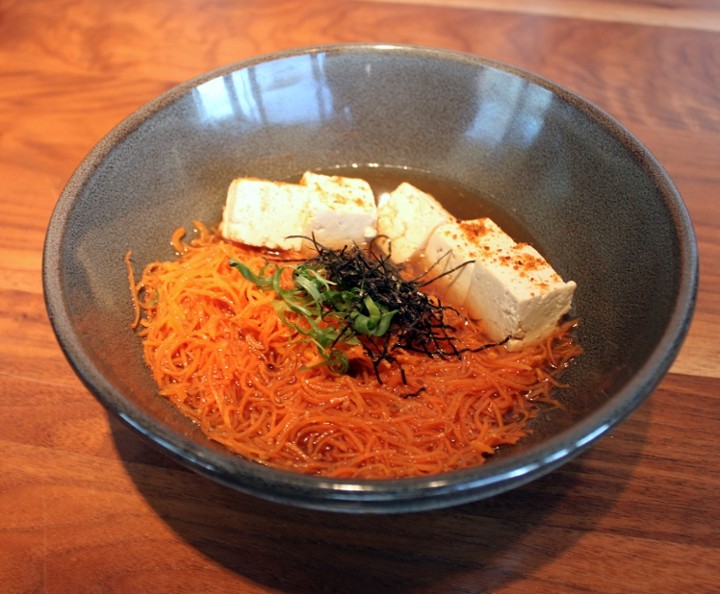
(595, 201)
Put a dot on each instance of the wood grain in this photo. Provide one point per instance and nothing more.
(85, 506)
(692, 14)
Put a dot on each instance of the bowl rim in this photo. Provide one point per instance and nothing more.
(377, 495)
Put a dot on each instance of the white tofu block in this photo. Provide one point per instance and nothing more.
(448, 247)
(265, 214)
(510, 286)
(407, 217)
(341, 210)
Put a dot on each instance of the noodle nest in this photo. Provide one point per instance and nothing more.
(220, 353)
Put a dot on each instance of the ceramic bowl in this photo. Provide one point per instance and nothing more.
(490, 138)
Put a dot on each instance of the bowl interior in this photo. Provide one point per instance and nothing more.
(489, 138)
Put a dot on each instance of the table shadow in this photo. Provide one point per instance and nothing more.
(475, 547)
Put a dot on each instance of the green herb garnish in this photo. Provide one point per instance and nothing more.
(332, 314)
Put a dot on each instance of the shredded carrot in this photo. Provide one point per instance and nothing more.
(219, 352)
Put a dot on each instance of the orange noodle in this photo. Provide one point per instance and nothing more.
(221, 354)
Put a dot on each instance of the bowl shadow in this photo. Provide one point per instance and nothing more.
(474, 547)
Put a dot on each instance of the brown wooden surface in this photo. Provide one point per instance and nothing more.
(85, 506)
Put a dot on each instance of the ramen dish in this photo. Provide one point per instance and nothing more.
(323, 330)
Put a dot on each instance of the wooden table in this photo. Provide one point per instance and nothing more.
(86, 506)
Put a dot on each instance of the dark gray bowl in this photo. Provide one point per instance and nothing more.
(488, 137)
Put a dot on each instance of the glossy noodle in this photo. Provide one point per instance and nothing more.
(220, 353)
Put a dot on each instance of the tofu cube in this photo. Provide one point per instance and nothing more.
(341, 210)
(406, 219)
(338, 211)
(451, 245)
(510, 286)
(265, 213)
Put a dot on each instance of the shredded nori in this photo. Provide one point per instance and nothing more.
(418, 324)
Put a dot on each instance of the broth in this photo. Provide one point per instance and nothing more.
(462, 202)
